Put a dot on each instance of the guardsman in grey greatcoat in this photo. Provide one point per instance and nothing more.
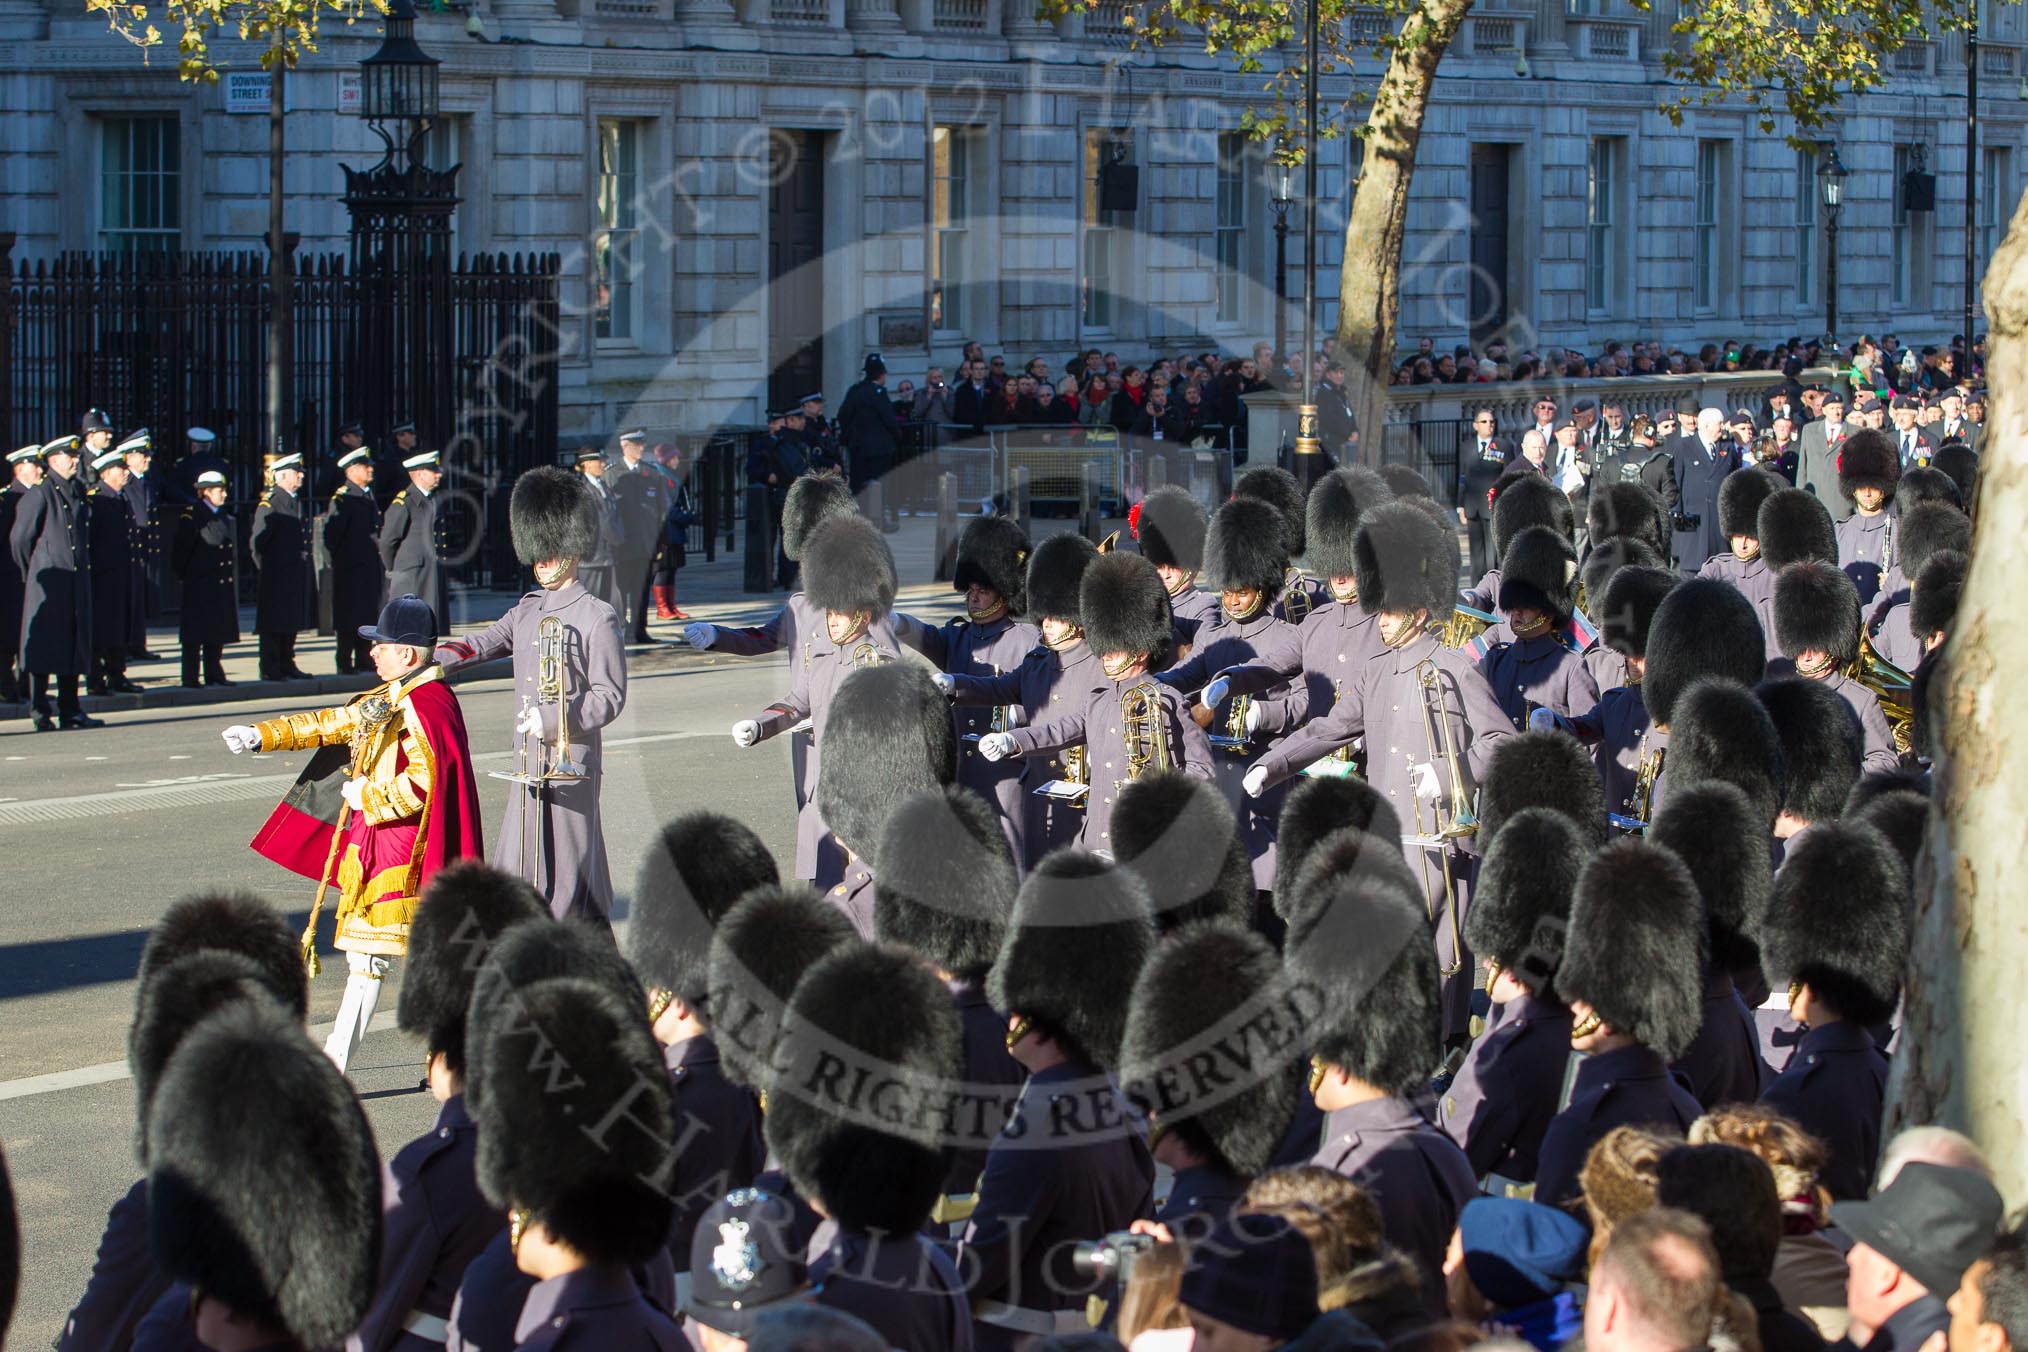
(1739, 502)
(552, 834)
(1300, 593)
(202, 558)
(412, 537)
(119, 586)
(1170, 526)
(1869, 468)
(352, 538)
(24, 471)
(1540, 667)
(1817, 621)
(285, 599)
(51, 548)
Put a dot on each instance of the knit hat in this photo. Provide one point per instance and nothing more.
(1519, 1252)
(1255, 1272)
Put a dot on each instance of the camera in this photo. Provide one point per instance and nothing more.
(1110, 1259)
(1680, 522)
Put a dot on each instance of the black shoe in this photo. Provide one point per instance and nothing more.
(143, 655)
(126, 687)
(82, 721)
(218, 681)
(44, 723)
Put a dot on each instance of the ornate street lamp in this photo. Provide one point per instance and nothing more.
(398, 85)
(1281, 199)
(1831, 174)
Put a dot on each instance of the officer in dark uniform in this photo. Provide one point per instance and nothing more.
(285, 600)
(202, 558)
(139, 450)
(1480, 461)
(777, 460)
(871, 432)
(24, 471)
(1632, 969)
(819, 435)
(352, 437)
(640, 494)
(119, 587)
(1836, 931)
(352, 538)
(412, 538)
(52, 550)
(745, 1265)
(402, 436)
(199, 457)
(598, 569)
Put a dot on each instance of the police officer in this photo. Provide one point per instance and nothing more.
(119, 586)
(818, 434)
(285, 599)
(52, 550)
(743, 1267)
(412, 538)
(871, 432)
(352, 538)
(139, 450)
(1481, 460)
(202, 558)
(24, 471)
(641, 492)
(199, 457)
(597, 570)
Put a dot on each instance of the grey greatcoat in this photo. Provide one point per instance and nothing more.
(1039, 685)
(572, 871)
(411, 550)
(51, 550)
(964, 648)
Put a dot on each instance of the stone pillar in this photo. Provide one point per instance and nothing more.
(872, 16)
(707, 11)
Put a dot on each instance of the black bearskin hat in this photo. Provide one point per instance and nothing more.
(1868, 459)
(1124, 604)
(1081, 931)
(1795, 527)
(1331, 517)
(847, 567)
(759, 952)
(175, 999)
(527, 953)
(1926, 483)
(605, 1197)
(1178, 835)
(1244, 547)
(1933, 600)
(1543, 769)
(1625, 610)
(1627, 509)
(1527, 499)
(1055, 570)
(264, 1183)
(888, 737)
(872, 1174)
(993, 553)
(1739, 498)
(1723, 734)
(1901, 816)
(1521, 906)
(1961, 463)
(1822, 745)
(1606, 559)
(946, 882)
(1929, 529)
(692, 873)
(1717, 833)
(1318, 806)
(1278, 489)
(1367, 965)
(1406, 560)
(1838, 919)
(1207, 980)
(238, 922)
(1170, 527)
(1636, 950)
(1406, 481)
(1703, 627)
(1341, 859)
(552, 515)
(812, 500)
(1539, 569)
(464, 911)
(1816, 606)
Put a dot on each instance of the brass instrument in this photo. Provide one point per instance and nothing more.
(1640, 805)
(1234, 739)
(1451, 819)
(1296, 600)
(1465, 624)
(1110, 543)
(1892, 686)
(867, 655)
(1143, 722)
(536, 766)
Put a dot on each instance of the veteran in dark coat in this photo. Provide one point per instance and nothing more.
(285, 598)
(51, 548)
(119, 579)
(1704, 457)
(352, 539)
(202, 556)
(641, 494)
(413, 539)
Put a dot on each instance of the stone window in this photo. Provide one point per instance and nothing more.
(1996, 194)
(616, 236)
(951, 211)
(1234, 190)
(1605, 180)
(1102, 245)
(1710, 222)
(140, 184)
(1805, 198)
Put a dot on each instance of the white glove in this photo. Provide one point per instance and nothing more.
(1255, 782)
(1215, 694)
(745, 733)
(242, 737)
(1253, 718)
(1424, 778)
(530, 722)
(354, 793)
(946, 684)
(1542, 720)
(996, 746)
(700, 635)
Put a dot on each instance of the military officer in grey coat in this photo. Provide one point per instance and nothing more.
(51, 548)
(412, 539)
(285, 599)
(352, 539)
(552, 834)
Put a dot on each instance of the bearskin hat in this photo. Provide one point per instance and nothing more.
(1543, 769)
(1539, 569)
(606, 1198)
(527, 953)
(1124, 604)
(1926, 483)
(1722, 734)
(238, 922)
(1822, 745)
(888, 737)
(1244, 547)
(264, 1182)
(1901, 816)
(1367, 965)
(847, 567)
(1636, 949)
(1938, 588)
(1331, 517)
(1606, 559)
(1081, 930)
(993, 553)
(1278, 489)
(691, 874)
(1795, 527)
(1816, 607)
(1625, 610)
(1720, 836)
(1868, 459)
(1170, 526)
(946, 883)
(1521, 906)
(1529, 499)
(1316, 807)
(1405, 481)
(1178, 835)
(1929, 529)
(1342, 858)
(1961, 463)
(1055, 571)
(872, 1174)
(1209, 979)
(1627, 509)
(1406, 560)
(175, 999)
(552, 515)
(812, 500)
(1703, 627)
(1740, 495)
(1838, 919)
(464, 911)
(759, 952)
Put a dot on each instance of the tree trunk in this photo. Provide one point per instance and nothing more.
(1369, 280)
(1960, 1060)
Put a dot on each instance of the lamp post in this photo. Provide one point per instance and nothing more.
(1282, 199)
(1831, 178)
(1309, 449)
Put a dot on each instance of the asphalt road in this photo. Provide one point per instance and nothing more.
(99, 831)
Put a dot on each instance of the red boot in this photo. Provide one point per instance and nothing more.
(664, 607)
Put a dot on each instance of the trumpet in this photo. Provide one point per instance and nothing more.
(537, 766)
(1143, 722)
(1234, 738)
(1640, 804)
(1892, 686)
(1451, 818)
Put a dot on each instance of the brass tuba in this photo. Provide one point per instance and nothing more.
(1144, 725)
(1464, 625)
(1891, 685)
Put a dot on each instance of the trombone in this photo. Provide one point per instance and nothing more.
(536, 765)
(1450, 819)
(1143, 725)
